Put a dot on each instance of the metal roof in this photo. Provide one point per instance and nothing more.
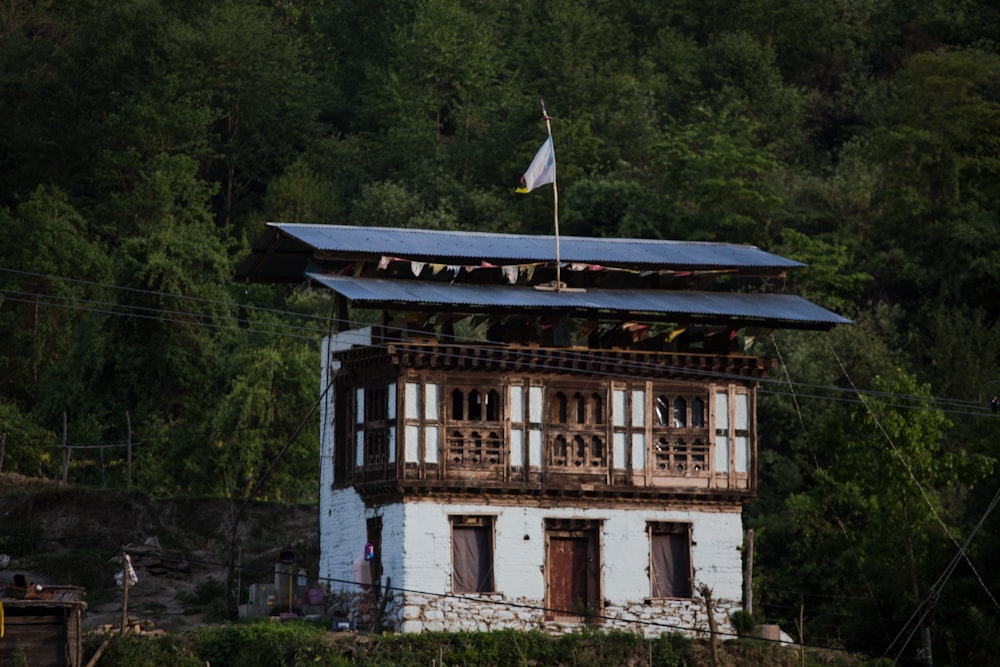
(285, 248)
(789, 311)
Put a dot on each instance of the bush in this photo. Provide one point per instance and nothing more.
(143, 651)
(743, 622)
(266, 643)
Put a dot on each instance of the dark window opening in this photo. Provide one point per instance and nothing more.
(662, 411)
(581, 408)
(670, 560)
(374, 527)
(698, 412)
(680, 412)
(475, 406)
(559, 408)
(472, 554)
(597, 409)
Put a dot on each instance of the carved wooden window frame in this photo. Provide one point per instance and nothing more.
(474, 429)
(681, 440)
(577, 430)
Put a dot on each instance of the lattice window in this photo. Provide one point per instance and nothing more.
(577, 438)
(475, 431)
(375, 426)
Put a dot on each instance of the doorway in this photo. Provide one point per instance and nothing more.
(572, 567)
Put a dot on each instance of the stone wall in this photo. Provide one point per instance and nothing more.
(483, 613)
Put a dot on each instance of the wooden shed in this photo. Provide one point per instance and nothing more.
(41, 626)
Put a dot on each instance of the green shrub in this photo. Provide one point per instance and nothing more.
(266, 643)
(144, 651)
(743, 622)
(672, 650)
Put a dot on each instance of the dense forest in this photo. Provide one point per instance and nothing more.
(144, 144)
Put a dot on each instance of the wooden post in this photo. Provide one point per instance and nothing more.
(802, 639)
(380, 607)
(125, 584)
(99, 652)
(128, 424)
(706, 593)
(748, 574)
(65, 452)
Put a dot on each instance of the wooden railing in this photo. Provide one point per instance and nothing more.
(577, 452)
(681, 456)
(472, 454)
(474, 447)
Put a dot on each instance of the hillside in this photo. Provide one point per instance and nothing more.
(69, 535)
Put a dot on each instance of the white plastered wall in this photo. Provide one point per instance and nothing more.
(328, 528)
(519, 548)
(416, 556)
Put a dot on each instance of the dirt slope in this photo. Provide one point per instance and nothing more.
(64, 535)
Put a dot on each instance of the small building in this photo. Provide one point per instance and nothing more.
(41, 626)
(523, 443)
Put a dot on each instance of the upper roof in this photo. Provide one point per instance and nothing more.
(285, 250)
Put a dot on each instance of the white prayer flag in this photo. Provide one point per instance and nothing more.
(542, 169)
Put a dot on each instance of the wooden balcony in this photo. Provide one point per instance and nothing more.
(507, 426)
(481, 461)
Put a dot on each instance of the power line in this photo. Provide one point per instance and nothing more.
(160, 315)
(962, 549)
(470, 599)
(815, 391)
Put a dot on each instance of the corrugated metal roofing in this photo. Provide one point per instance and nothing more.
(787, 309)
(462, 247)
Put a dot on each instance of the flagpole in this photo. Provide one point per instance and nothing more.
(555, 202)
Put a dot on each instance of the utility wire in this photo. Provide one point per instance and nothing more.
(925, 606)
(840, 523)
(960, 407)
(962, 554)
(820, 392)
(484, 601)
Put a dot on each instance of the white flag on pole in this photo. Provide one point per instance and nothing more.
(542, 169)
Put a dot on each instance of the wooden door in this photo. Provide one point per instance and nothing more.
(572, 569)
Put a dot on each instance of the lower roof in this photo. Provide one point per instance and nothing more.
(737, 308)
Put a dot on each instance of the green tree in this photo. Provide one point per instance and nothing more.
(300, 195)
(28, 448)
(254, 73)
(176, 314)
(54, 282)
(827, 278)
(876, 510)
(939, 156)
(710, 176)
(264, 406)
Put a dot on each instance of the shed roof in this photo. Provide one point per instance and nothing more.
(285, 250)
(49, 596)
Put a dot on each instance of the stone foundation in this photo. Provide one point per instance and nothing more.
(483, 613)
